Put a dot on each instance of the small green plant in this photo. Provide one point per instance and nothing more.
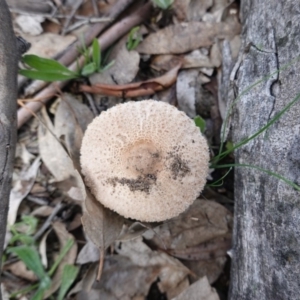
(163, 4)
(134, 38)
(51, 70)
(200, 123)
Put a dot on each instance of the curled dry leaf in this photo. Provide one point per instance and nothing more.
(19, 269)
(57, 160)
(137, 89)
(102, 225)
(69, 259)
(181, 38)
(71, 120)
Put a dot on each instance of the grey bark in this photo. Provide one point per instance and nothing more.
(266, 251)
(8, 117)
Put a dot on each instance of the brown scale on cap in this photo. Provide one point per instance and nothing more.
(145, 160)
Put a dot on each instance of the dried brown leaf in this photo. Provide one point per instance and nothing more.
(137, 89)
(172, 271)
(56, 159)
(21, 188)
(71, 120)
(19, 269)
(102, 225)
(181, 38)
(203, 221)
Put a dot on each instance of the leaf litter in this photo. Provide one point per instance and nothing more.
(177, 61)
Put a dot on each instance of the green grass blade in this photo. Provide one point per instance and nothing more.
(46, 75)
(290, 183)
(68, 277)
(45, 64)
(62, 254)
(96, 54)
(271, 122)
(31, 258)
(214, 184)
(284, 67)
(88, 69)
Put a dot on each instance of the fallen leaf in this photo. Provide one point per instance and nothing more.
(89, 253)
(55, 157)
(172, 271)
(48, 44)
(185, 37)
(69, 259)
(200, 290)
(42, 211)
(200, 236)
(123, 279)
(71, 120)
(203, 221)
(19, 269)
(103, 226)
(137, 89)
(43, 249)
(186, 87)
(21, 188)
(30, 24)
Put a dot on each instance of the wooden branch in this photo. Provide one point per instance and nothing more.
(266, 253)
(8, 107)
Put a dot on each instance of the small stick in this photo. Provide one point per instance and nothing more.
(105, 40)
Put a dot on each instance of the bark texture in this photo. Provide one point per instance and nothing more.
(266, 252)
(8, 121)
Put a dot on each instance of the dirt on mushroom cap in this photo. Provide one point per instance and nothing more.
(145, 160)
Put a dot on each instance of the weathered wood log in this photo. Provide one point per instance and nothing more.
(266, 252)
(8, 116)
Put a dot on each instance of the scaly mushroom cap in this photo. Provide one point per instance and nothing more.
(145, 160)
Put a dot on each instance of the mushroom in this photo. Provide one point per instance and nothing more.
(145, 160)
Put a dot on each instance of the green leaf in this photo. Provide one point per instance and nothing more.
(45, 64)
(200, 123)
(262, 129)
(39, 294)
(290, 183)
(23, 238)
(31, 258)
(133, 38)
(46, 75)
(96, 54)
(88, 69)
(68, 277)
(62, 254)
(107, 66)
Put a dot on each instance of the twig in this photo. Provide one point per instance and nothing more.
(105, 40)
(70, 17)
(47, 223)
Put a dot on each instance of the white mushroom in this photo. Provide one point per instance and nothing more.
(145, 160)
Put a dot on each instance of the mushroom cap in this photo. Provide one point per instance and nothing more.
(145, 160)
